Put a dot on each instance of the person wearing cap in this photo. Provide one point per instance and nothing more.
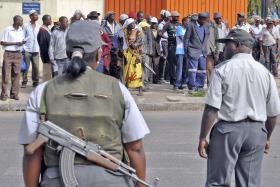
(105, 113)
(44, 38)
(163, 47)
(181, 65)
(255, 31)
(93, 15)
(31, 48)
(195, 45)
(57, 49)
(133, 40)
(155, 58)
(243, 99)
(161, 14)
(242, 23)
(56, 24)
(112, 28)
(140, 16)
(223, 31)
(270, 42)
(12, 42)
(170, 28)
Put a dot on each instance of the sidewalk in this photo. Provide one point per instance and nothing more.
(159, 98)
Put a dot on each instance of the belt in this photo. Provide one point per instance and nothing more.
(12, 51)
(243, 120)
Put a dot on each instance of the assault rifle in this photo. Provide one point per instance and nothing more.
(69, 145)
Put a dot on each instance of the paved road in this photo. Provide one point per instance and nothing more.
(171, 151)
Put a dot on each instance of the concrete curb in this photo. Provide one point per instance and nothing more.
(13, 106)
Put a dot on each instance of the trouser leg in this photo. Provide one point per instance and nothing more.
(156, 67)
(61, 64)
(224, 146)
(201, 72)
(192, 70)
(209, 67)
(146, 72)
(273, 52)
(179, 70)
(172, 63)
(47, 71)
(15, 74)
(27, 59)
(256, 52)
(248, 166)
(35, 68)
(163, 61)
(6, 70)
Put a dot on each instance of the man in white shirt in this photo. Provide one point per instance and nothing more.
(12, 41)
(270, 39)
(243, 98)
(242, 23)
(31, 48)
(256, 31)
(223, 31)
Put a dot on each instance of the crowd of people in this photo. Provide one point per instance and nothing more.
(139, 50)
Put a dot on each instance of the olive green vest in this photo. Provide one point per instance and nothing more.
(90, 107)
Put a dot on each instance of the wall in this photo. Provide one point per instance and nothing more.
(228, 8)
(150, 7)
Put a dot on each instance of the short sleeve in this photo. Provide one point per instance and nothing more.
(214, 94)
(28, 130)
(134, 126)
(5, 36)
(273, 103)
(179, 31)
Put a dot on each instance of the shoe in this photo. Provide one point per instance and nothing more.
(175, 88)
(35, 84)
(23, 86)
(182, 87)
(15, 97)
(3, 98)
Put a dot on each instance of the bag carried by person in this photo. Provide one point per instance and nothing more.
(23, 63)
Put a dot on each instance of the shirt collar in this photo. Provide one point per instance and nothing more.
(19, 29)
(242, 56)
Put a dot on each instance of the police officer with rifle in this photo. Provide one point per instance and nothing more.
(93, 108)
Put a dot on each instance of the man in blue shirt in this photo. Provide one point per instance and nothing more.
(180, 55)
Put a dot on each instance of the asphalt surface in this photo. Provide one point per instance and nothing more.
(170, 148)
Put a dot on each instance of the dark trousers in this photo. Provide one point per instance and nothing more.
(115, 70)
(236, 147)
(171, 64)
(11, 67)
(270, 58)
(163, 61)
(34, 59)
(256, 51)
(156, 67)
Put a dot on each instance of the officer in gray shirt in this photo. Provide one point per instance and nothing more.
(244, 100)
